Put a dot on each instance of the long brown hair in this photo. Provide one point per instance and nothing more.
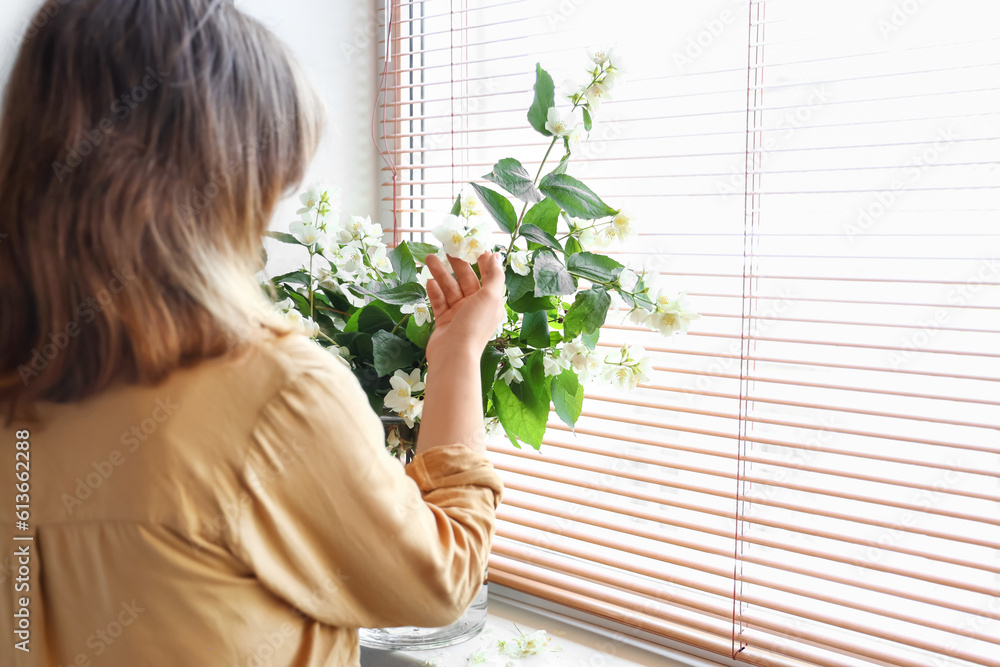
(143, 147)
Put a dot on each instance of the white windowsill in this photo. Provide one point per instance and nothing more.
(581, 646)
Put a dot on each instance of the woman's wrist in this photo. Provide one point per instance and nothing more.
(454, 355)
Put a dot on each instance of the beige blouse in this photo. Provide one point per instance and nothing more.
(244, 512)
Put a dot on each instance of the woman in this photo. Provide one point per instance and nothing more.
(198, 484)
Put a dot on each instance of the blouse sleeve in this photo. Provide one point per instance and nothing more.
(334, 525)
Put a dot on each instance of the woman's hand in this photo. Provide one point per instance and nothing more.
(467, 312)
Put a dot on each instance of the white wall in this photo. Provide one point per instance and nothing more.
(334, 42)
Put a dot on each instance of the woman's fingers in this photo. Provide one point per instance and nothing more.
(492, 272)
(438, 303)
(465, 276)
(445, 281)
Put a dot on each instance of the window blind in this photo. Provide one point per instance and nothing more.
(812, 477)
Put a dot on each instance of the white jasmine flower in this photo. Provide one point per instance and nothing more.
(605, 238)
(617, 61)
(474, 245)
(493, 427)
(349, 259)
(311, 197)
(305, 230)
(671, 315)
(599, 54)
(556, 124)
(586, 238)
(285, 305)
(379, 259)
(621, 377)
(412, 379)
(643, 369)
(412, 411)
(451, 233)
(595, 94)
(575, 137)
(511, 375)
(610, 79)
(593, 367)
(555, 365)
(310, 327)
(420, 311)
(519, 263)
(398, 398)
(515, 356)
(622, 226)
(639, 317)
(525, 645)
(469, 204)
(424, 276)
(628, 279)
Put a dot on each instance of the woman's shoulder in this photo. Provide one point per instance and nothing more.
(271, 365)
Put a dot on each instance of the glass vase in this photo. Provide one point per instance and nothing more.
(410, 638)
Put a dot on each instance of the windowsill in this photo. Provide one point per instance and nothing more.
(580, 646)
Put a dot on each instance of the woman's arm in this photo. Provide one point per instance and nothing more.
(466, 315)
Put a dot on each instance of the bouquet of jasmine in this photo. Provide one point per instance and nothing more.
(368, 304)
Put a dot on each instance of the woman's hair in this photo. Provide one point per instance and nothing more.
(143, 147)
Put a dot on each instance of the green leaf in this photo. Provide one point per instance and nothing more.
(498, 206)
(518, 285)
(402, 263)
(573, 246)
(567, 397)
(489, 363)
(551, 276)
(284, 238)
(510, 175)
(535, 329)
(587, 313)
(595, 268)
(523, 407)
(590, 339)
(400, 295)
(539, 236)
(418, 335)
(298, 277)
(301, 302)
(544, 215)
(574, 197)
(456, 208)
(421, 250)
(530, 303)
(390, 353)
(545, 99)
(370, 319)
(587, 120)
(562, 166)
